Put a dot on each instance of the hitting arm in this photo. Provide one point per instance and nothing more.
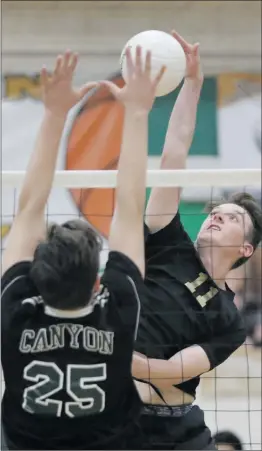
(192, 361)
(127, 232)
(29, 226)
(185, 365)
(163, 202)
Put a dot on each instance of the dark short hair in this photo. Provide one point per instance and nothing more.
(66, 264)
(228, 438)
(253, 208)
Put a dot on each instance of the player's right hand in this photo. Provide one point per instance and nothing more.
(139, 92)
(193, 65)
(58, 94)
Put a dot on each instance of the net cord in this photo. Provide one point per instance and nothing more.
(157, 178)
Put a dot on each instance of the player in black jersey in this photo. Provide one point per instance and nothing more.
(188, 323)
(67, 352)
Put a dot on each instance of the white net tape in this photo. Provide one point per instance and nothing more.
(164, 178)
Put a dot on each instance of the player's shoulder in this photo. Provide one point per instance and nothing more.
(17, 276)
(173, 234)
(121, 289)
(226, 295)
(17, 290)
(19, 269)
(222, 310)
(230, 311)
(122, 280)
(120, 270)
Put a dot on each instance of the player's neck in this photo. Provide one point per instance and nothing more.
(216, 263)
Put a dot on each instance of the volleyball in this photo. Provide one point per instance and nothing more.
(165, 51)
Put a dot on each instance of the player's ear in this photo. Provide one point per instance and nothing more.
(246, 250)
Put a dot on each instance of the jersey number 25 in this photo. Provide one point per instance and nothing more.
(80, 384)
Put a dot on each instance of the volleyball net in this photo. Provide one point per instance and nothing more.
(231, 394)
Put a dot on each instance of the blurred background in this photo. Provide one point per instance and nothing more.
(228, 135)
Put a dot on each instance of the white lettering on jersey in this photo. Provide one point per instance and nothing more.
(54, 337)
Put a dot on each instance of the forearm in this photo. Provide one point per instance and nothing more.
(131, 178)
(163, 202)
(182, 125)
(162, 373)
(183, 366)
(152, 370)
(40, 172)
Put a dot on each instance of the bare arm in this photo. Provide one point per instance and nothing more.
(29, 225)
(126, 233)
(163, 202)
(192, 361)
(183, 366)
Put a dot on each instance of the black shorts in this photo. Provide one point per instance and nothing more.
(175, 428)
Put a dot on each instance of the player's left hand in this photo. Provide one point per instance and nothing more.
(138, 94)
(58, 94)
(193, 65)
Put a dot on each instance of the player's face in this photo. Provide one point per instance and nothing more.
(227, 226)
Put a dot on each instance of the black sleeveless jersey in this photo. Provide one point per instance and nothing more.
(181, 304)
(68, 374)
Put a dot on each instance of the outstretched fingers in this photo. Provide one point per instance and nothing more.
(135, 64)
(64, 69)
(196, 49)
(129, 63)
(44, 76)
(184, 44)
(138, 60)
(66, 60)
(159, 76)
(138, 65)
(58, 66)
(65, 64)
(73, 62)
(148, 63)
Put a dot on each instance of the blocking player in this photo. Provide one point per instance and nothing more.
(66, 352)
(189, 323)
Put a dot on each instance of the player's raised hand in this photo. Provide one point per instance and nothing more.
(140, 89)
(193, 66)
(58, 94)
